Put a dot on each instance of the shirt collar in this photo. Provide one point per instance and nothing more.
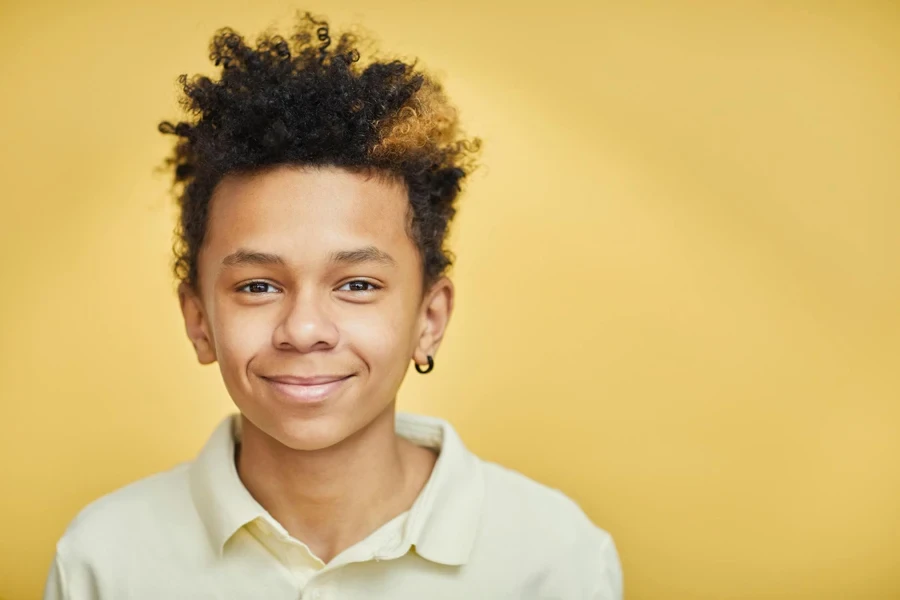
(445, 518)
(443, 522)
(223, 502)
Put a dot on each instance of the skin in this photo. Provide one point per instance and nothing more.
(271, 300)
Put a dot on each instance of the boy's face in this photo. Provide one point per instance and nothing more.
(310, 299)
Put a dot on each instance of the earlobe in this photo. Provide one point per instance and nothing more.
(427, 369)
(195, 324)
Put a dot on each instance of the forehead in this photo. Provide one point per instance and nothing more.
(305, 213)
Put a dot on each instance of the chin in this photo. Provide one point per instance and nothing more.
(307, 433)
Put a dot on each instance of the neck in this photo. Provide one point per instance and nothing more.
(333, 498)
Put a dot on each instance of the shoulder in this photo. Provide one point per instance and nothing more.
(513, 497)
(550, 532)
(112, 522)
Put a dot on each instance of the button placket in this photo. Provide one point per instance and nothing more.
(310, 593)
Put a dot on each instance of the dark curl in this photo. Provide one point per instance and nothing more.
(309, 101)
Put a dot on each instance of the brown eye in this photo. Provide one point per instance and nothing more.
(359, 286)
(257, 287)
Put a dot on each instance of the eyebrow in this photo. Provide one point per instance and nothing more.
(244, 257)
(362, 255)
(251, 257)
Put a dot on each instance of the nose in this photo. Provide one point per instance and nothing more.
(306, 325)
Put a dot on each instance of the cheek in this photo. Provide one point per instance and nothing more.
(239, 336)
(383, 338)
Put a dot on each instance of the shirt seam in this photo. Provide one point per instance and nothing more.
(599, 585)
(64, 586)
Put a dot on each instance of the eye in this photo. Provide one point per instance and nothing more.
(359, 285)
(258, 287)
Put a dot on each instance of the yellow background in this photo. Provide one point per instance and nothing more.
(678, 272)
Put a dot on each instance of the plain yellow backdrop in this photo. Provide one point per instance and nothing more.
(678, 280)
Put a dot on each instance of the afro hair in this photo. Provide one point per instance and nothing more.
(310, 102)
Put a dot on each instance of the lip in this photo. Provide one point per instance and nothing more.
(295, 380)
(307, 390)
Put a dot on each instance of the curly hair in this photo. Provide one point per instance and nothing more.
(306, 101)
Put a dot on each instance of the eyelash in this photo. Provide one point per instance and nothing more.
(373, 287)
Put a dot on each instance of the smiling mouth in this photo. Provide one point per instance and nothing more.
(306, 390)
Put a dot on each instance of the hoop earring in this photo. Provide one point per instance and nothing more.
(428, 368)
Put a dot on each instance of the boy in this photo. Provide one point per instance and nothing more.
(315, 195)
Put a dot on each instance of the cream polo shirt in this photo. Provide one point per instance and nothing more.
(476, 531)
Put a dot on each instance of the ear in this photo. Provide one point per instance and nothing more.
(196, 325)
(437, 306)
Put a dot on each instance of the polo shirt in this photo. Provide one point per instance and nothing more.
(476, 530)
